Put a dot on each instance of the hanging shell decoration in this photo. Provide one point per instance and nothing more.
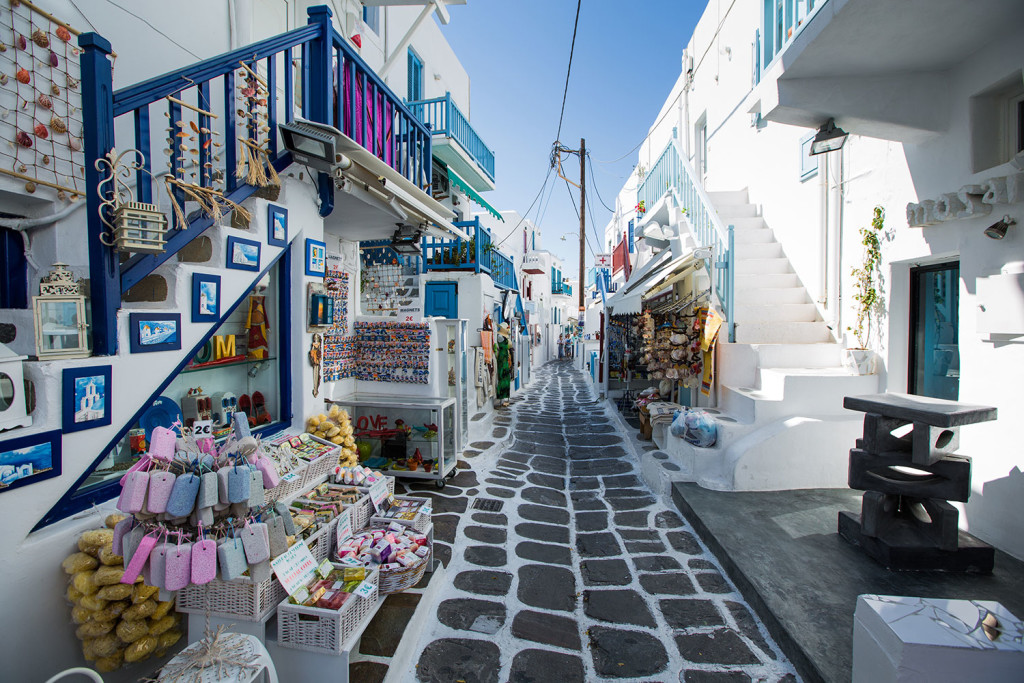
(3, 79)
(58, 126)
(54, 60)
(22, 43)
(30, 187)
(75, 144)
(44, 101)
(63, 33)
(54, 90)
(24, 139)
(72, 82)
(40, 38)
(24, 76)
(41, 132)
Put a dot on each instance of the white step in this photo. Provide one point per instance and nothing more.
(747, 313)
(746, 222)
(795, 391)
(799, 355)
(763, 266)
(784, 333)
(728, 197)
(746, 282)
(773, 295)
(728, 212)
(753, 235)
(747, 250)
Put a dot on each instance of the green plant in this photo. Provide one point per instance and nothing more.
(869, 280)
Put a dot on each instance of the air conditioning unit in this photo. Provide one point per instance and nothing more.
(440, 186)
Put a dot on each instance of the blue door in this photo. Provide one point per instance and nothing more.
(442, 299)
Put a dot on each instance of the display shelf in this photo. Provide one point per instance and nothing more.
(217, 366)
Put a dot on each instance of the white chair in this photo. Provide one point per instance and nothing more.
(251, 646)
(76, 670)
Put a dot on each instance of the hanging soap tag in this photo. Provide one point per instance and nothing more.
(254, 541)
(238, 484)
(120, 529)
(260, 572)
(204, 561)
(140, 464)
(278, 537)
(222, 484)
(183, 495)
(286, 517)
(204, 516)
(179, 566)
(231, 559)
(209, 494)
(160, 487)
(134, 568)
(156, 568)
(130, 543)
(257, 497)
(240, 425)
(162, 443)
(133, 493)
(270, 476)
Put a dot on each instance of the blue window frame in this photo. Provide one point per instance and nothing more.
(808, 163)
(415, 91)
(631, 247)
(13, 270)
(371, 17)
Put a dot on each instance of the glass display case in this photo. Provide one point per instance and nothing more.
(455, 366)
(406, 436)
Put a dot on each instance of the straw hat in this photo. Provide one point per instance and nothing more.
(504, 331)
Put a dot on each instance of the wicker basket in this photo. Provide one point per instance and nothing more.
(323, 465)
(292, 483)
(324, 630)
(420, 523)
(397, 580)
(243, 599)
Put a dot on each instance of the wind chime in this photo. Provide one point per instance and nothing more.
(254, 165)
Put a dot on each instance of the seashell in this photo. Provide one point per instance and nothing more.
(23, 139)
(168, 152)
(22, 168)
(241, 112)
(22, 43)
(54, 61)
(57, 125)
(24, 76)
(46, 160)
(206, 143)
(40, 131)
(63, 33)
(3, 47)
(62, 195)
(218, 144)
(194, 126)
(72, 82)
(262, 101)
(183, 148)
(75, 144)
(30, 187)
(40, 38)
(182, 134)
(248, 92)
(75, 197)
(44, 101)
(54, 90)
(3, 79)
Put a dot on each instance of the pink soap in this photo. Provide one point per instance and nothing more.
(134, 568)
(142, 463)
(270, 476)
(204, 561)
(160, 486)
(133, 493)
(179, 567)
(162, 443)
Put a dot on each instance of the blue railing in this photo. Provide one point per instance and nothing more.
(503, 270)
(476, 254)
(783, 21)
(335, 86)
(672, 173)
(445, 118)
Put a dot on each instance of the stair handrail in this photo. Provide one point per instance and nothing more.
(673, 174)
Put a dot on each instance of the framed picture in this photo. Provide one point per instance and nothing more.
(29, 459)
(316, 258)
(243, 254)
(154, 332)
(277, 225)
(86, 398)
(205, 298)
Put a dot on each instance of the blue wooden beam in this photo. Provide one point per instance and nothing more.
(321, 90)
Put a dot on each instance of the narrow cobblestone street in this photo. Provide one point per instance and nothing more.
(582, 574)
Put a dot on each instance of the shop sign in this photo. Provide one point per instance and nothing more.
(603, 260)
(294, 567)
(379, 494)
(344, 531)
(412, 313)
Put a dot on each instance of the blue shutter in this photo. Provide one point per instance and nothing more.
(415, 90)
(631, 248)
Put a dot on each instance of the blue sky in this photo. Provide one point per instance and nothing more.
(627, 57)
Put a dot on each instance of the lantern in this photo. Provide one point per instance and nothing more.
(132, 226)
(13, 397)
(60, 318)
(139, 227)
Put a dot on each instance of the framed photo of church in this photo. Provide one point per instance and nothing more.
(86, 397)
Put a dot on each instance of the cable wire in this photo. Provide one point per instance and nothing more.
(593, 184)
(527, 212)
(576, 209)
(568, 71)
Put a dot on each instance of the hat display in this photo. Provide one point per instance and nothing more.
(504, 330)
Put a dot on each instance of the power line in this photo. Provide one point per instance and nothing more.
(593, 184)
(527, 212)
(568, 71)
(637, 146)
(576, 209)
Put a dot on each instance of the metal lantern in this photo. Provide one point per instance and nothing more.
(138, 227)
(60, 318)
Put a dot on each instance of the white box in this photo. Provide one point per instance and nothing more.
(927, 640)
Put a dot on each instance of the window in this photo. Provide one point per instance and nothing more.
(997, 123)
(371, 17)
(935, 331)
(13, 270)
(630, 238)
(701, 162)
(415, 91)
(808, 163)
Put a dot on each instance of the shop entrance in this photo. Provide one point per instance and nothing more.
(442, 299)
(934, 331)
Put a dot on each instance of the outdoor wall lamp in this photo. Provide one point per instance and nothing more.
(406, 240)
(829, 138)
(997, 230)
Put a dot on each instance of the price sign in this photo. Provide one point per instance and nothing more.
(364, 590)
(350, 562)
(202, 428)
(344, 531)
(379, 494)
(294, 568)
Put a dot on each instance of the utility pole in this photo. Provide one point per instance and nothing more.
(583, 222)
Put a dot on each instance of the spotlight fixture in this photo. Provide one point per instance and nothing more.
(406, 240)
(997, 230)
(828, 139)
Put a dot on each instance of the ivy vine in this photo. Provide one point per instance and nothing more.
(869, 280)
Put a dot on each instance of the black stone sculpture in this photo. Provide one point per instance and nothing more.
(906, 521)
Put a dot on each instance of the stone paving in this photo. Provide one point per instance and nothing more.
(583, 574)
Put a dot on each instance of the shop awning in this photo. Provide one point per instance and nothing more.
(660, 272)
(473, 194)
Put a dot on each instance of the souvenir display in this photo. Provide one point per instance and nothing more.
(117, 622)
(393, 352)
(339, 347)
(388, 281)
(390, 548)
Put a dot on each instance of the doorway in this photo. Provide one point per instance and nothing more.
(442, 299)
(935, 331)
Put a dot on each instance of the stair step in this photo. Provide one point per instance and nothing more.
(749, 250)
(753, 235)
(763, 266)
(784, 333)
(775, 312)
(745, 222)
(730, 211)
(774, 295)
(728, 197)
(745, 282)
(799, 355)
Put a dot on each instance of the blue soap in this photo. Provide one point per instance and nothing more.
(231, 559)
(239, 484)
(240, 425)
(183, 496)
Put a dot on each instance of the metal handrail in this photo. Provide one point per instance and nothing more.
(444, 117)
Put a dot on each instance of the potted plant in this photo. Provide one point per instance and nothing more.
(868, 287)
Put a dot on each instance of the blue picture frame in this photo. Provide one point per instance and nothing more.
(316, 258)
(243, 254)
(149, 332)
(86, 398)
(20, 459)
(205, 298)
(277, 225)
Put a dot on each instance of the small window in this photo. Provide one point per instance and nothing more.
(415, 90)
(371, 17)
(1015, 124)
(997, 123)
(13, 270)
(808, 163)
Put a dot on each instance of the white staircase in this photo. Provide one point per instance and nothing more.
(780, 416)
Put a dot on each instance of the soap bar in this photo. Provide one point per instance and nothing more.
(286, 517)
(183, 496)
(142, 463)
(204, 561)
(257, 496)
(240, 425)
(278, 538)
(135, 565)
(130, 543)
(222, 485)
(209, 494)
(160, 486)
(178, 566)
(270, 476)
(133, 492)
(156, 568)
(231, 559)
(238, 484)
(254, 541)
(120, 529)
(162, 443)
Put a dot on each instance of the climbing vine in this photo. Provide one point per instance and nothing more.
(869, 280)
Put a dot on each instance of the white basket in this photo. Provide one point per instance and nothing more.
(243, 599)
(419, 523)
(324, 630)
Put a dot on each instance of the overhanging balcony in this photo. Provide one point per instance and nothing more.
(879, 70)
(455, 142)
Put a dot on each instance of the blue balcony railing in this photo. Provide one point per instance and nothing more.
(445, 118)
(310, 71)
(672, 173)
(476, 254)
(783, 21)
